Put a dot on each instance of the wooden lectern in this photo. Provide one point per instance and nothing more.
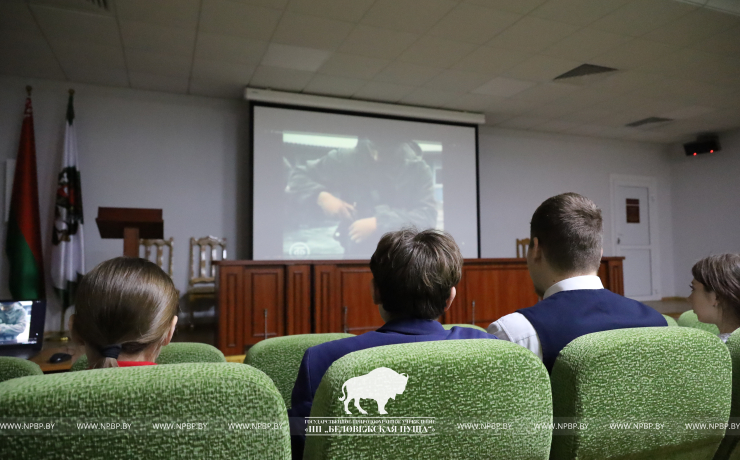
(130, 224)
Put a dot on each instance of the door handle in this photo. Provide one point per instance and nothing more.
(265, 313)
(473, 314)
(345, 329)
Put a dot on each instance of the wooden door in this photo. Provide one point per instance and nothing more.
(264, 303)
(494, 291)
(343, 300)
(230, 334)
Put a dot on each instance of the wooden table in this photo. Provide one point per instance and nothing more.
(56, 346)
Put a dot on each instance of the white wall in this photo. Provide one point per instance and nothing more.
(520, 169)
(187, 155)
(706, 206)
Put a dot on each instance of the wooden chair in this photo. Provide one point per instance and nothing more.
(203, 252)
(521, 247)
(160, 245)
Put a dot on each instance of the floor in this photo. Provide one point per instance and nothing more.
(672, 307)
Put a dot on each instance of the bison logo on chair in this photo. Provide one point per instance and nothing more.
(380, 384)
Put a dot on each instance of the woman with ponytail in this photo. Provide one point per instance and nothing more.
(715, 292)
(126, 311)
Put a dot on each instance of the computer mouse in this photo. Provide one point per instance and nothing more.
(59, 358)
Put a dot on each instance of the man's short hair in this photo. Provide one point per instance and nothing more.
(569, 230)
(416, 271)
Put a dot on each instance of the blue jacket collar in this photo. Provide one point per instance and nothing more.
(413, 326)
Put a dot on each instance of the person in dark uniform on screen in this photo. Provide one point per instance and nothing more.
(380, 185)
(13, 321)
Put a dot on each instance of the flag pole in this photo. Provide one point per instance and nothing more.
(29, 88)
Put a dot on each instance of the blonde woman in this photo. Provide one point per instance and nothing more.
(715, 292)
(126, 311)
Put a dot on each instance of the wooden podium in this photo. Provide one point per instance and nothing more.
(130, 224)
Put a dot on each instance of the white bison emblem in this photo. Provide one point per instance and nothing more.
(380, 384)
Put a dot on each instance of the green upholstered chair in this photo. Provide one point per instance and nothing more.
(280, 358)
(11, 368)
(667, 375)
(453, 381)
(472, 326)
(689, 319)
(730, 444)
(671, 322)
(174, 353)
(214, 394)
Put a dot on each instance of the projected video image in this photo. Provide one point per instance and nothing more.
(15, 322)
(343, 192)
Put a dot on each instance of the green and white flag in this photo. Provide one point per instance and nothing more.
(68, 250)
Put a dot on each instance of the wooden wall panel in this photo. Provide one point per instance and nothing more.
(298, 299)
(264, 292)
(359, 313)
(230, 336)
(326, 318)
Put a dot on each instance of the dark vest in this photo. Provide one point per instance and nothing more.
(567, 315)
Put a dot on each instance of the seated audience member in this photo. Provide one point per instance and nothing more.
(13, 321)
(715, 292)
(563, 260)
(125, 312)
(414, 278)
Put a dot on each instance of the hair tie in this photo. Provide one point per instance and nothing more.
(111, 351)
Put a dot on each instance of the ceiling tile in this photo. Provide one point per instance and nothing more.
(725, 43)
(623, 82)
(334, 86)
(403, 73)
(554, 110)
(634, 53)
(695, 26)
(596, 130)
(97, 75)
(436, 52)
(541, 68)
(519, 6)
(473, 24)
(584, 44)
(494, 119)
(642, 16)
(277, 4)
(280, 79)
(687, 112)
(557, 126)
(532, 35)
(229, 48)
(158, 83)
(511, 106)
(17, 17)
(227, 17)
(377, 43)
(577, 12)
(219, 71)
(159, 39)
(86, 54)
(524, 122)
(311, 31)
(384, 92)
(341, 10)
(588, 115)
(294, 57)
(407, 15)
(457, 81)
(62, 25)
(582, 98)
(472, 102)
(504, 87)
(491, 61)
(27, 55)
(545, 92)
(678, 62)
(427, 97)
(161, 64)
(350, 66)
(216, 88)
(169, 13)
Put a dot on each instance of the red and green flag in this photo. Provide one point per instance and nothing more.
(23, 243)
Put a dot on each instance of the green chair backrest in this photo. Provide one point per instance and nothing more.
(11, 368)
(689, 319)
(208, 396)
(174, 353)
(456, 383)
(610, 381)
(730, 447)
(472, 326)
(280, 358)
(671, 322)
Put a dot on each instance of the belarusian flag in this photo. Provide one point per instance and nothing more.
(68, 250)
(23, 243)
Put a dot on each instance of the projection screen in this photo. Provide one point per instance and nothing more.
(329, 185)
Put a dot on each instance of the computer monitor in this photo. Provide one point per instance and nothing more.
(21, 327)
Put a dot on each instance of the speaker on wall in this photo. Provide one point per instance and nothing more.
(703, 144)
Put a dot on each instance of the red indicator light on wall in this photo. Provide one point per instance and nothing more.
(711, 151)
(694, 153)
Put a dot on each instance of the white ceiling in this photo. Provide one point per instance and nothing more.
(678, 60)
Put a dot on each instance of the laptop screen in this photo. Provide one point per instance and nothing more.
(22, 322)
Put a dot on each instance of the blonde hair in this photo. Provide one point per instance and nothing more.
(123, 302)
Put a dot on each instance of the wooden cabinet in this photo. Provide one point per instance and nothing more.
(258, 300)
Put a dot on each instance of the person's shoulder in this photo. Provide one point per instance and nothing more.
(335, 349)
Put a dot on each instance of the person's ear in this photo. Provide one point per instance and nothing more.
(602, 253)
(75, 337)
(536, 250)
(375, 292)
(448, 302)
(171, 332)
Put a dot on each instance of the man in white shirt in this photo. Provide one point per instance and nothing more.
(563, 260)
